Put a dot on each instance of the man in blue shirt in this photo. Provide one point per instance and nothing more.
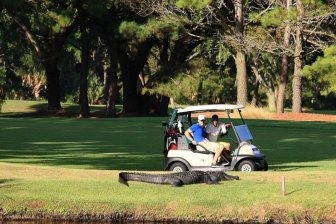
(197, 135)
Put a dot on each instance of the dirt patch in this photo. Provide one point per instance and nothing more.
(305, 117)
(43, 218)
(260, 114)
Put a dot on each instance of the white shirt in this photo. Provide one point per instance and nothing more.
(214, 131)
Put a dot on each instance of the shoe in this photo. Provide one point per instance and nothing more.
(216, 165)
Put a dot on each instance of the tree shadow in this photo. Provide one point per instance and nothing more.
(40, 110)
(136, 143)
(300, 143)
(123, 144)
(289, 168)
(4, 183)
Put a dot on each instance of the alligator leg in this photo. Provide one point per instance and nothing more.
(211, 179)
(175, 182)
(230, 177)
(222, 175)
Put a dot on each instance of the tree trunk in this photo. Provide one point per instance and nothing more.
(131, 66)
(155, 104)
(130, 90)
(200, 93)
(255, 97)
(296, 85)
(284, 68)
(47, 50)
(271, 99)
(53, 84)
(112, 80)
(240, 56)
(241, 78)
(84, 70)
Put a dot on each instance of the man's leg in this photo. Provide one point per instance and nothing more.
(218, 152)
(227, 146)
(215, 148)
(227, 151)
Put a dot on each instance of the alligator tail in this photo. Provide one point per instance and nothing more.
(123, 178)
(149, 178)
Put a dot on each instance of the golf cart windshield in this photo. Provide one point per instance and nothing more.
(243, 132)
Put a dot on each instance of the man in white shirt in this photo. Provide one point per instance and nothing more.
(215, 128)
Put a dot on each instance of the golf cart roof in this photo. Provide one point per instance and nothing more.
(210, 107)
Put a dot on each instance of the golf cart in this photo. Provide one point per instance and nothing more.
(181, 155)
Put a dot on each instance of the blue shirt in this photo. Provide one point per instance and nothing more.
(198, 132)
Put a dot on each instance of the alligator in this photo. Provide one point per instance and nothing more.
(176, 179)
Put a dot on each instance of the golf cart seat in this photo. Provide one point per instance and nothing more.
(194, 149)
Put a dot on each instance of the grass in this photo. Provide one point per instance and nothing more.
(69, 166)
(26, 108)
(257, 196)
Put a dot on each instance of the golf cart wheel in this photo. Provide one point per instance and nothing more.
(178, 167)
(265, 165)
(247, 166)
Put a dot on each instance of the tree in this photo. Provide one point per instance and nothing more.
(264, 67)
(216, 20)
(296, 85)
(322, 73)
(284, 66)
(240, 55)
(84, 28)
(137, 58)
(313, 28)
(312, 23)
(22, 75)
(140, 39)
(46, 26)
(111, 78)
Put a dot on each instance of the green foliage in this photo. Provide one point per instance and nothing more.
(47, 18)
(323, 70)
(22, 71)
(196, 4)
(278, 15)
(133, 30)
(315, 4)
(60, 20)
(97, 10)
(275, 17)
(223, 55)
(216, 86)
(162, 28)
(153, 27)
(11, 4)
(95, 89)
(2, 84)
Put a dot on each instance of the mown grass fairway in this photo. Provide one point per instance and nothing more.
(68, 166)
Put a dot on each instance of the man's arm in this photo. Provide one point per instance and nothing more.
(189, 135)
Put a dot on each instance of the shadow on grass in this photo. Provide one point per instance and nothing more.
(4, 183)
(40, 110)
(289, 168)
(119, 143)
(136, 143)
(292, 192)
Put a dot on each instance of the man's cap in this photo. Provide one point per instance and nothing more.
(201, 117)
(214, 117)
